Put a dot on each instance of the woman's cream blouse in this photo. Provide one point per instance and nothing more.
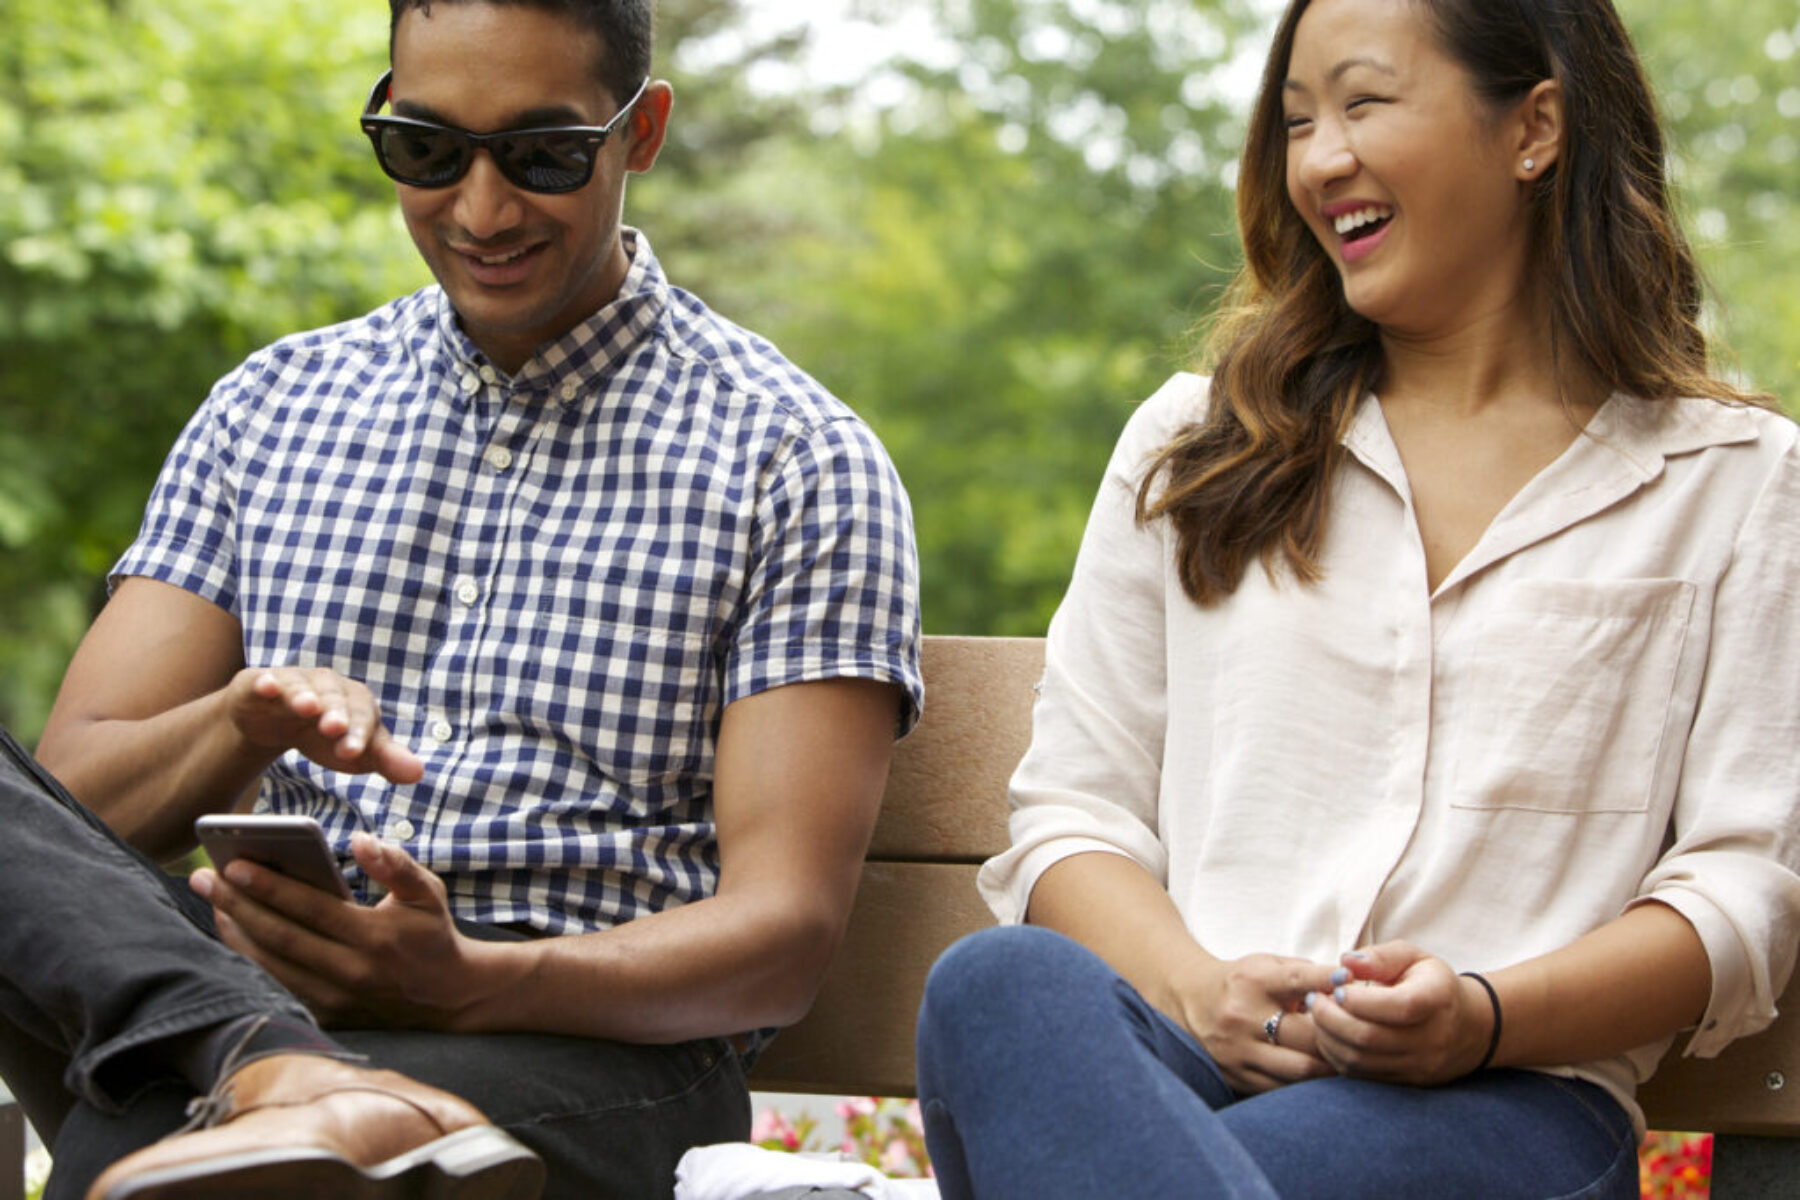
(1599, 706)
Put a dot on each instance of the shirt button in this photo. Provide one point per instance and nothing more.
(570, 389)
(498, 457)
(467, 590)
(441, 731)
(471, 383)
(489, 375)
(401, 830)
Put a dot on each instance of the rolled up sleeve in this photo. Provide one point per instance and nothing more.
(1091, 779)
(1733, 869)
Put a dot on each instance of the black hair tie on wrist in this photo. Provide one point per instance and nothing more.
(1494, 1039)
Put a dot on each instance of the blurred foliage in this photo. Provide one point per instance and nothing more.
(1729, 83)
(993, 248)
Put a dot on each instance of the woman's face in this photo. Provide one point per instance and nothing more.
(1412, 185)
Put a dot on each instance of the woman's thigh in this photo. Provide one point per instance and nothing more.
(1497, 1135)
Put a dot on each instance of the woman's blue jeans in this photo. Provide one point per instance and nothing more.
(1043, 1074)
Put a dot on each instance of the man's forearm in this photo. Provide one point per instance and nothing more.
(715, 967)
(138, 732)
(149, 778)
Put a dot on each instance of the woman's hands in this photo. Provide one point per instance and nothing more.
(1227, 1005)
(1394, 1013)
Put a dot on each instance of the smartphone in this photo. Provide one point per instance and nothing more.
(293, 845)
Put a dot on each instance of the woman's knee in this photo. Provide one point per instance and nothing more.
(1009, 982)
(1000, 967)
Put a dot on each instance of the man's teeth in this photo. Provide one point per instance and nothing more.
(499, 259)
(1346, 222)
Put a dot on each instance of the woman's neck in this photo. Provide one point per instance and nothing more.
(1503, 357)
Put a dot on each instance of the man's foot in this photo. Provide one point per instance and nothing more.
(300, 1125)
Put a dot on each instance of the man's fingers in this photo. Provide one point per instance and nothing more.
(394, 760)
(279, 910)
(398, 872)
(331, 719)
(326, 1001)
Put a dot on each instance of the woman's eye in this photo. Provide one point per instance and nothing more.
(1296, 124)
(1362, 101)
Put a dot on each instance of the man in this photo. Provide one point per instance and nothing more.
(566, 606)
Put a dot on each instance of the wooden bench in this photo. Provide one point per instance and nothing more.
(945, 811)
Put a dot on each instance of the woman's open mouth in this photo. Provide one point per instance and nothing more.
(1360, 230)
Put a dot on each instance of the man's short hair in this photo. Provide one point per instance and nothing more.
(626, 29)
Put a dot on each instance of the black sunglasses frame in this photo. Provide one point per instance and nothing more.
(593, 136)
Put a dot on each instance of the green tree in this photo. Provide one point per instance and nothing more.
(993, 248)
(1730, 89)
(178, 184)
(181, 181)
(998, 263)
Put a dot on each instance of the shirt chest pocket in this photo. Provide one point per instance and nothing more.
(1565, 698)
(636, 701)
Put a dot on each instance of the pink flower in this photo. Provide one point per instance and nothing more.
(772, 1131)
(896, 1157)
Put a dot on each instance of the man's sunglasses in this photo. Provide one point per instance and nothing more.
(424, 154)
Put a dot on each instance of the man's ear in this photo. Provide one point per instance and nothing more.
(648, 125)
(1541, 123)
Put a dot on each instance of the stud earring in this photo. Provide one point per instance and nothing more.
(1531, 164)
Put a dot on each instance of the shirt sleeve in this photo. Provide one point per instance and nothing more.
(833, 587)
(1091, 778)
(187, 537)
(1734, 868)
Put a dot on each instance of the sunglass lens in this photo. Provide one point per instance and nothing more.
(552, 162)
(422, 157)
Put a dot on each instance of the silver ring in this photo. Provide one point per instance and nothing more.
(1272, 1029)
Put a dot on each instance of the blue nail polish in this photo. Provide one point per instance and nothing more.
(1338, 995)
(1358, 955)
(1340, 977)
(1311, 999)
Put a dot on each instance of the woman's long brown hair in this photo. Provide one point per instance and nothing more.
(1291, 360)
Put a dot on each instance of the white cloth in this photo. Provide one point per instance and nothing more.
(741, 1171)
(1490, 770)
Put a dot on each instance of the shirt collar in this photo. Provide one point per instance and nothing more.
(576, 364)
(1623, 448)
(1647, 433)
(1641, 435)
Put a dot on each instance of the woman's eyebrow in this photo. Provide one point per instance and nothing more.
(1360, 60)
(1341, 69)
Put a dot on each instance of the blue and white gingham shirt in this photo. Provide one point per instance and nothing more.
(553, 583)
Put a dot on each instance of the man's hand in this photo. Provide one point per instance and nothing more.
(1394, 1013)
(1228, 1005)
(330, 719)
(399, 964)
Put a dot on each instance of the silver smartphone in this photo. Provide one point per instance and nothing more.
(295, 846)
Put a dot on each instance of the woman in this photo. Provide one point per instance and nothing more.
(1415, 756)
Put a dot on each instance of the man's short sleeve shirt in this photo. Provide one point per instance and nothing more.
(554, 583)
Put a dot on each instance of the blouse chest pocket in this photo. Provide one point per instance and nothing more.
(1566, 694)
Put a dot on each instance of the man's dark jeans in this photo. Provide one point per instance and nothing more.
(104, 959)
